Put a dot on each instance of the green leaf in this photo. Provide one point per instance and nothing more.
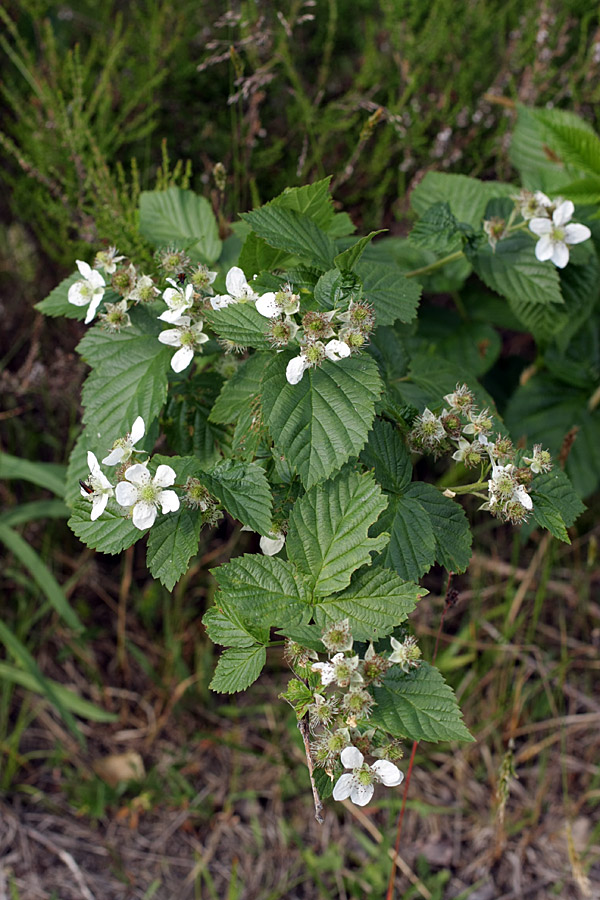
(69, 699)
(376, 601)
(172, 541)
(577, 146)
(47, 475)
(556, 506)
(306, 635)
(449, 524)
(244, 491)
(327, 535)
(582, 191)
(336, 289)
(264, 589)
(475, 346)
(531, 287)
(291, 231)
(299, 696)
(321, 422)
(412, 547)
(187, 423)
(418, 705)
(226, 628)
(242, 324)
(347, 260)
(312, 200)
(544, 410)
(237, 668)
(580, 287)
(241, 390)
(37, 509)
(57, 302)
(111, 533)
(393, 296)
(257, 256)
(41, 574)
(182, 219)
(466, 197)
(437, 229)
(388, 456)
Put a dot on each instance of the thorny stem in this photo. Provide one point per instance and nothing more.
(466, 488)
(303, 729)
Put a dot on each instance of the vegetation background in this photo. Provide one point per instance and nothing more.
(98, 98)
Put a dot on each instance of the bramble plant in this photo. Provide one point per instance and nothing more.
(299, 398)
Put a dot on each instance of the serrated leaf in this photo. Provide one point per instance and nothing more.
(57, 303)
(111, 533)
(238, 668)
(228, 629)
(514, 272)
(418, 705)
(437, 229)
(544, 410)
(182, 219)
(264, 589)
(393, 296)
(347, 260)
(556, 506)
(312, 200)
(467, 197)
(449, 524)
(327, 535)
(187, 426)
(321, 422)
(577, 146)
(240, 391)
(242, 324)
(388, 456)
(299, 696)
(244, 491)
(411, 549)
(335, 289)
(323, 783)
(291, 231)
(306, 635)
(172, 541)
(580, 287)
(257, 256)
(375, 602)
(474, 345)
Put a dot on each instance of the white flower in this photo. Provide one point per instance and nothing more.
(90, 290)
(144, 494)
(358, 784)
(341, 669)
(124, 447)
(107, 260)
(100, 488)
(336, 350)
(144, 290)
(405, 653)
(272, 543)
(541, 461)
(187, 337)
(556, 235)
(296, 368)
(238, 290)
(268, 306)
(463, 447)
(178, 301)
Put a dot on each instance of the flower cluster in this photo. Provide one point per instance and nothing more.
(125, 280)
(185, 298)
(339, 706)
(461, 428)
(550, 221)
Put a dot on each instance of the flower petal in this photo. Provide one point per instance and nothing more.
(91, 312)
(343, 786)
(221, 301)
(84, 268)
(126, 494)
(389, 774)
(296, 369)
(352, 758)
(182, 359)
(115, 456)
(171, 337)
(144, 515)
(268, 306)
(165, 476)
(138, 430)
(236, 283)
(170, 316)
(575, 234)
(540, 225)
(98, 506)
(138, 474)
(93, 464)
(169, 500)
(272, 543)
(75, 295)
(336, 350)
(563, 213)
(96, 280)
(361, 794)
(560, 254)
(543, 250)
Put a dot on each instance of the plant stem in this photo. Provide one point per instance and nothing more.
(466, 488)
(303, 729)
(437, 264)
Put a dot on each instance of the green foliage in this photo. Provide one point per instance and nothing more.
(180, 219)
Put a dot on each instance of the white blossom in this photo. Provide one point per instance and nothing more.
(359, 784)
(272, 543)
(296, 368)
(178, 300)
(90, 290)
(238, 290)
(107, 260)
(336, 350)
(185, 336)
(268, 306)
(556, 235)
(144, 494)
(341, 669)
(100, 487)
(124, 447)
